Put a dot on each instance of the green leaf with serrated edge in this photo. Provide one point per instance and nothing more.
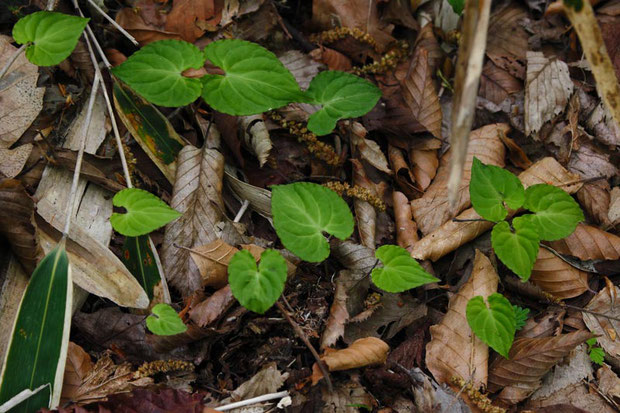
(521, 316)
(141, 261)
(400, 271)
(38, 348)
(490, 187)
(255, 81)
(556, 213)
(302, 212)
(155, 72)
(517, 250)
(145, 212)
(457, 6)
(149, 128)
(342, 96)
(257, 289)
(53, 36)
(597, 355)
(165, 321)
(495, 325)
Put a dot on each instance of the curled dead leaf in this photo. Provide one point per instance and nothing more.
(589, 243)
(607, 303)
(406, 228)
(256, 136)
(424, 165)
(369, 149)
(557, 277)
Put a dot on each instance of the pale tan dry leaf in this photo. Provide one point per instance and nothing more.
(547, 90)
(424, 164)
(589, 243)
(433, 209)
(591, 162)
(365, 213)
(589, 33)
(364, 352)
(212, 261)
(454, 350)
(17, 223)
(468, 69)
(369, 149)
(346, 398)
(557, 277)
(86, 382)
(197, 194)
(267, 380)
(406, 229)
(418, 90)
(134, 22)
(452, 235)
(607, 302)
(191, 18)
(614, 205)
(426, 39)
(496, 84)
(12, 161)
(608, 382)
(256, 137)
(507, 39)
(529, 359)
(338, 313)
(595, 198)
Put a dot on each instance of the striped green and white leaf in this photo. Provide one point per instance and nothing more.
(37, 350)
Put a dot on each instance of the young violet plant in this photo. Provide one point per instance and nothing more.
(254, 82)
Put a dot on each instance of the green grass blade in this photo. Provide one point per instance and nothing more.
(38, 347)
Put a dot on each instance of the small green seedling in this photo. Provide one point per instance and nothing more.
(520, 316)
(165, 321)
(495, 324)
(145, 212)
(255, 81)
(597, 354)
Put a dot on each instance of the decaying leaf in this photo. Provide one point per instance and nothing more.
(191, 18)
(546, 324)
(547, 90)
(212, 261)
(369, 149)
(424, 163)
(607, 302)
(452, 234)
(507, 39)
(12, 161)
(145, 24)
(557, 277)
(365, 213)
(402, 174)
(338, 313)
(267, 380)
(354, 256)
(496, 84)
(86, 382)
(17, 223)
(595, 199)
(614, 205)
(608, 382)
(406, 229)
(530, 358)
(197, 193)
(454, 349)
(589, 243)
(346, 398)
(256, 136)
(433, 209)
(259, 198)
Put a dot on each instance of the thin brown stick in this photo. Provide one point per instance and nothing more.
(585, 310)
(300, 333)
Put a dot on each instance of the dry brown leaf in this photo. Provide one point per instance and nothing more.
(212, 261)
(21, 99)
(516, 154)
(406, 229)
(333, 59)
(135, 22)
(17, 223)
(507, 39)
(259, 198)
(468, 69)
(608, 382)
(197, 194)
(557, 277)
(433, 209)
(191, 18)
(211, 309)
(354, 257)
(452, 235)
(346, 398)
(256, 137)
(547, 324)
(614, 205)
(589, 33)
(86, 383)
(365, 213)
(591, 162)
(529, 359)
(547, 90)
(426, 39)
(424, 164)
(589, 243)
(496, 84)
(402, 174)
(369, 149)
(419, 92)
(595, 198)
(607, 302)
(12, 161)
(454, 349)
(301, 66)
(338, 313)
(267, 380)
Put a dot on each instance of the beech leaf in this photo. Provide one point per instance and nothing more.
(490, 187)
(155, 72)
(302, 212)
(257, 289)
(556, 213)
(494, 324)
(145, 212)
(400, 272)
(165, 321)
(53, 36)
(518, 250)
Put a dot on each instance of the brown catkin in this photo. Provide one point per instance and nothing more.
(358, 192)
(162, 366)
(474, 395)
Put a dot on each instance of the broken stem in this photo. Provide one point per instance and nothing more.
(244, 207)
(114, 23)
(300, 333)
(80, 156)
(12, 59)
(253, 400)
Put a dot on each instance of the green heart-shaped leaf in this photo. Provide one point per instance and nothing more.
(556, 212)
(257, 289)
(155, 72)
(496, 324)
(145, 212)
(302, 211)
(255, 80)
(53, 36)
(518, 250)
(400, 271)
(342, 95)
(490, 187)
(165, 321)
